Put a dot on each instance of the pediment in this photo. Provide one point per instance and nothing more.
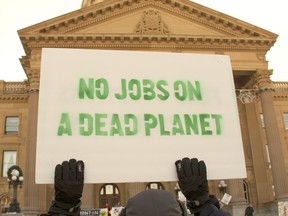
(147, 17)
(149, 20)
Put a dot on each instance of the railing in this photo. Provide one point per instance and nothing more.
(13, 87)
(282, 86)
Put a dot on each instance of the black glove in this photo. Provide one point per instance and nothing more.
(193, 182)
(68, 185)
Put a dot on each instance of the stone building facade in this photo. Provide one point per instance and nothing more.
(165, 26)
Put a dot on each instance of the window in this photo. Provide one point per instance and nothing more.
(285, 119)
(246, 191)
(109, 196)
(5, 201)
(109, 189)
(11, 125)
(262, 120)
(9, 159)
(268, 155)
(155, 185)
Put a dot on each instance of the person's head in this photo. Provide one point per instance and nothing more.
(153, 203)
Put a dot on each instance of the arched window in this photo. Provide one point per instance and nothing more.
(109, 196)
(5, 200)
(246, 191)
(154, 185)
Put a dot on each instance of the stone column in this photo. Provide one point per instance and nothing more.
(264, 189)
(238, 202)
(31, 204)
(88, 197)
(280, 179)
(31, 190)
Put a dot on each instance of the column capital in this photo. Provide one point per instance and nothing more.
(34, 79)
(263, 81)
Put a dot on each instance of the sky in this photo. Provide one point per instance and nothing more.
(19, 14)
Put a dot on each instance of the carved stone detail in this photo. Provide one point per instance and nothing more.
(151, 23)
(263, 81)
(261, 55)
(14, 98)
(34, 79)
(86, 3)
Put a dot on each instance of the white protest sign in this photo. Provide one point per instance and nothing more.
(129, 115)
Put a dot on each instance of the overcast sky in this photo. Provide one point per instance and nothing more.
(19, 14)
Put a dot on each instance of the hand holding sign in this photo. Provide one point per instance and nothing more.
(68, 185)
(193, 183)
(193, 180)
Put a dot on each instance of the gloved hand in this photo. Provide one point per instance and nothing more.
(193, 181)
(68, 185)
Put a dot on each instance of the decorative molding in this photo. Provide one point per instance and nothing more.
(34, 77)
(280, 90)
(100, 12)
(15, 87)
(280, 96)
(166, 40)
(246, 95)
(151, 23)
(263, 81)
(261, 55)
(62, 32)
(14, 98)
(281, 86)
(14, 92)
(87, 3)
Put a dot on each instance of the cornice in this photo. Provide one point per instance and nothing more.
(145, 41)
(7, 98)
(280, 96)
